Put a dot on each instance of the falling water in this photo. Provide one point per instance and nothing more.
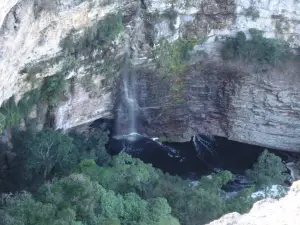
(202, 144)
(128, 106)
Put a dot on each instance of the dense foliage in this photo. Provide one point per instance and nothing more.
(269, 169)
(70, 179)
(10, 113)
(172, 57)
(53, 89)
(43, 154)
(76, 200)
(191, 204)
(257, 48)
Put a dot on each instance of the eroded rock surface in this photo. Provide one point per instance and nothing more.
(252, 104)
(238, 101)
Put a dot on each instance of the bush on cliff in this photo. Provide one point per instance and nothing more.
(172, 57)
(256, 49)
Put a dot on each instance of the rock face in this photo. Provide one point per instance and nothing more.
(268, 211)
(86, 43)
(231, 100)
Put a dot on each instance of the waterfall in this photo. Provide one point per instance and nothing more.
(201, 144)
(128, 106)
(171, 151)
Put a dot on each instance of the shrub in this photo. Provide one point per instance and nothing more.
(94, 37)
(53, 89)
(269, 169)
(43, 5)
(28, 101)
(252, 12)
(172, 57)
(2, 122)
(11, 112)
(257, 49)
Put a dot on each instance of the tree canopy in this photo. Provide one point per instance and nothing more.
(77, 200)
(269, 169)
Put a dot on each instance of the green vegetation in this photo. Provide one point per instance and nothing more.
(257, 49)
(164, 139)
(252, 12)
(172, 57)
(77, 200)
(43, 5)
(172, 60)
(179, 100)
(41, 154)
(94, 37)
(269, 169)
(28, 102)
(50, 94)
(10, 114)
(171, 16)
(191, 205)
(71, 179)
(177, 89)
(2, 122)
(95, 44)
(53, 89)
(44, 150)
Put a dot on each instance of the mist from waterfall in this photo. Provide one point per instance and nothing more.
(126, 126)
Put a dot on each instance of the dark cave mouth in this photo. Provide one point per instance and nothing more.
(191, 159)
(184, 160)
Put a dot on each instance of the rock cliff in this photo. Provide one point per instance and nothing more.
(268, 211)
(85, 43)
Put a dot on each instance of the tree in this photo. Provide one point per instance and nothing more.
(2, 122)
(76, 200)
(43, 151)
(190, 204)
(11, 113)
(269, 169)
(91, 145)
(257, 49)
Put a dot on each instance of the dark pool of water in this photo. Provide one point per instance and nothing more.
(182, 158)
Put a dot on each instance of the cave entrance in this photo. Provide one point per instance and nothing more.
(184, 160)
(200, 156)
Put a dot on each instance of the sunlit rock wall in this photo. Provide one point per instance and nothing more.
(237, 101)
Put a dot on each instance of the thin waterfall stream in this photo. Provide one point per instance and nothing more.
(126, 124)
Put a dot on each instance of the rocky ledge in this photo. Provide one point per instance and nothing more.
(285, 211)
